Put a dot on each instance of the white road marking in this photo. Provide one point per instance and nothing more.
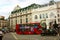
(14, 36)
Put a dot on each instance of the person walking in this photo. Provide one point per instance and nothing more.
(55, 25)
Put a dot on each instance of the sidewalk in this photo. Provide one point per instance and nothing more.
(34, 37)
(8, 36)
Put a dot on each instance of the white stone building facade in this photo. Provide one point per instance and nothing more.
(35, 13)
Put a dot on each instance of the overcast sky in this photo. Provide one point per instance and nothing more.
(6, 6)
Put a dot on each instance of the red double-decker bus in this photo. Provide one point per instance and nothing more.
(27, 29)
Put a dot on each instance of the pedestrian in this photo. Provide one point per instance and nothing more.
(55, 25)
(1, 34)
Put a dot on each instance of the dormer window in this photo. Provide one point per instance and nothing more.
(51, 2)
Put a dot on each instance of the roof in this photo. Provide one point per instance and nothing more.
(17, 8)
(32, 6)
(28, 7)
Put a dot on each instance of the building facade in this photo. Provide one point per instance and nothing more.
(35, 13)
(3, 22)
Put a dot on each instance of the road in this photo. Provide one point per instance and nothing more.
(8, 36)
(14, 36)
(35, 37)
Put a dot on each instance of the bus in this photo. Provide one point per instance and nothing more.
(28, 29)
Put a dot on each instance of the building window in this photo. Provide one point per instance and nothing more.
(16, 21)
(11, 22)
(58, 15)
(46, 15)
(21, 21)
(26, 15)
(40, 16)
(20, 16)
(43, 16)
(26, 20)
(58, 20)
(20, 13)
(55, 16)
(36, 16)
(52, 15)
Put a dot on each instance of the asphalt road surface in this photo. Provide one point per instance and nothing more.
(14, 36)
(35, 37)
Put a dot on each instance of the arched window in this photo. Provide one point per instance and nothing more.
(36, 16)
(46, 15)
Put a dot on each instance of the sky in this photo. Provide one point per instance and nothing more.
(6, 6)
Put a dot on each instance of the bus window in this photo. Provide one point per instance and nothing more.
(35, 26)
(22, 28)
